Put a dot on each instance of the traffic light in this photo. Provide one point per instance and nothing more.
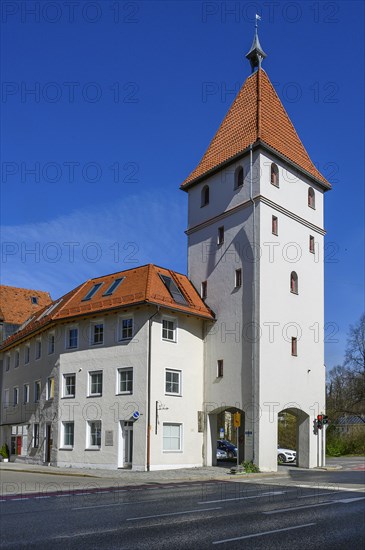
(320, 421)
(315, 426)
(325, 420)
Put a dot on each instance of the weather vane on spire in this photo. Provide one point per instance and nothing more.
(256, 53)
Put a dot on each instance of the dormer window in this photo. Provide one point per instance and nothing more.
(274, 175)
(239, 177)
(205, 196)
(311, 198)
(34, 300)
(92, 291)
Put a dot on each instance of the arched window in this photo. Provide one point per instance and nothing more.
(239, 177)
(311, 198)
(205, 195)
(293, 282)
(274, 175)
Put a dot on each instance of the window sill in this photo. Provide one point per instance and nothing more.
(94, 344)
(173, 394)
(125, 393)
(68, 397)
(168, 340)
(66, 448)
(293, 292)
(172, 451)
(275, 185)
(93, 449)
(95, 395)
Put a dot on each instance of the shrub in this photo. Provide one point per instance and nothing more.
(4, 451)
(250, 467)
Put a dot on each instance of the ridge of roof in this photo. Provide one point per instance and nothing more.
(256, 114)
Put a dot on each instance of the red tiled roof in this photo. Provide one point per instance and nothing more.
(256, 115)
(16, 303)
(140, 285)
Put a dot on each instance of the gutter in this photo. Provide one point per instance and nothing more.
(149, 364)
(253, 317)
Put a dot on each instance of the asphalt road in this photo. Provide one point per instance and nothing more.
(215, 514)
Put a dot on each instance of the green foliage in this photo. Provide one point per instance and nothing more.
(287, 431)
(338, 444)
(4, 451)
(250, 467)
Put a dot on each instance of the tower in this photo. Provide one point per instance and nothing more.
(255, 251)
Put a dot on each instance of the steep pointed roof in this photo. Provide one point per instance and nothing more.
(256, 116)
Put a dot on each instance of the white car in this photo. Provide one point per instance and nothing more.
(286, 455)
(221, 454)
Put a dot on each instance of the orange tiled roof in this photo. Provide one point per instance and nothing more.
(141, 285)
(256, 115)
(16, 303)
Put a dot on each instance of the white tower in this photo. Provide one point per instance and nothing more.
(255, 250)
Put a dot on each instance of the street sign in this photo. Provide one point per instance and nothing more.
(136, 415)
(221, 433)
(237, 420)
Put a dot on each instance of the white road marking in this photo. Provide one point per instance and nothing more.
(175, 513)
(221, 500)
(114, 504)
(294, 508)
(347, 500)
(264, 533)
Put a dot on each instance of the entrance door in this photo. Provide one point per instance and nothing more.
(125, 447)
(48, 443)
(18, 445)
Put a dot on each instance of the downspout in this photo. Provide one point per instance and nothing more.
(253, 316)
(149, 362)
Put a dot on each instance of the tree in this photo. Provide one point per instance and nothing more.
(346, 385)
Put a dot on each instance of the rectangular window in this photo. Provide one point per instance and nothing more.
(15, 396)
(35, 436)
(126, 329)
(38, 349)
(92, 291)
(26, 354)
(7, 361)
(238, 278)
(274, 225)
(37, 391)
(16, 358)
(204, 290)
(311, 244)
(50, 388)
(6, 399)
(168, 330)
(95, 383)
(94, 428)
(72, 337)
(172, 437)
(294, 349)
(219, 368)
(51, 343)
(26, 393)
(173, 382)
(125, 380)
(68, 429)
(69, 385)
(174, 291)
(220, 236)
(113, 286)
(97, 333)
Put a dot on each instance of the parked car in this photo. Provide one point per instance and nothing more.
(286, 455)
(221, 455)
(227, 446)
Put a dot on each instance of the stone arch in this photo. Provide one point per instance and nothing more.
(302, 433)
(213, 415)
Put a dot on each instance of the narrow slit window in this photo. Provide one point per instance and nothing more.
(239, 177)
(274, 175)
(274, 225)
(205, 196)
(311, 244)
(220, 238)
(238, 278)
(311, 198)
(294, 347)
(220, 368)
(294, 282)
(204, 289)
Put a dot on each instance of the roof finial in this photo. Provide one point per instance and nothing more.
(256, 53)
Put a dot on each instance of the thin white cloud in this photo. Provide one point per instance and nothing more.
(57, 255)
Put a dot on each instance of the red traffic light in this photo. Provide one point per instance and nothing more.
(320, 417)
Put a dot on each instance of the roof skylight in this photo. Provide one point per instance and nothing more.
(113, 286)
(173, 290)
(92, 291)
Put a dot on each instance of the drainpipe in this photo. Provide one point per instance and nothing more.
(253, 317)
(149, 361)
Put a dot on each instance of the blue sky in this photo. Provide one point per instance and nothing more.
(107, 106)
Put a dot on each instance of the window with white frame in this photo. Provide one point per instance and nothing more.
(172, 437)
(26, 393)
(37, 391)
(97, 333)
(6, 399)
(15, 396)
(173, 382)
(50, 388)
(95, 383)
(51, 343)
(7, 361)
(26, 354)
(94, 434)
(68, 433)
(125, 328)
(125, 380)
(16, 358)
(169, 330)
(38, 348)
(69, 385)
(35, 441)
(72, 337)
